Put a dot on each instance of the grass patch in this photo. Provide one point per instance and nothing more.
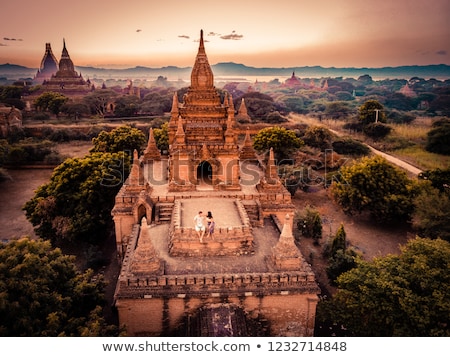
(407, 142)
(410, 132)
(419, 157)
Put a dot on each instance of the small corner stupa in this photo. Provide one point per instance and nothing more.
(145, 257)
(242, 115)
(285, 255)
(151, 152)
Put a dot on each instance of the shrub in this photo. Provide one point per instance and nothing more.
(41, 116)
(349, 146)
(377, 130)
(310, 224)
(339, 263)
(438, 138)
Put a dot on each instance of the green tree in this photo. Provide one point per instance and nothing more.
(283, 141)
(370, 112)
(294, 104)
(10, 92)
(310, 224)
(341, 259)
(76, 204)
(318, 136)
(339, 109)
(161, 136)
(51, 101)
(376, 131)
(373, 185)
(75, 110)
(100, 100)
(438, 138)
(431, 214)
(439, 178)
(294, 177)
(124, 138)
(29, 150)
(397, 295)
(43, 294)
(339, 241)
(348, 146)
(155, 103)
(127, 106)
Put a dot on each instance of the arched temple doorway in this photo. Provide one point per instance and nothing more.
(204, 173)
(142, 212)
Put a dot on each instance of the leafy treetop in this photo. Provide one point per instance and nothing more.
(42, 293)
(76, 203)
(395, 296)
(124, 138)
(282, 140)
(374, 185)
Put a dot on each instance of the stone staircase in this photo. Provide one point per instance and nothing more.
(163, 212)
(253, 209)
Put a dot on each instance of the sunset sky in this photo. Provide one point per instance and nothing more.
(282, 33)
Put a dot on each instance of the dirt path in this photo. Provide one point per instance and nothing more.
(396, 161)
(14, 193)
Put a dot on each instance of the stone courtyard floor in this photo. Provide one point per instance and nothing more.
(223, 210)
(264, 239)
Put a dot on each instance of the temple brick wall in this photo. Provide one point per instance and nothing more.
(155, 316)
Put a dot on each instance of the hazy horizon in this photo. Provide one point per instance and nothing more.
(283, 33)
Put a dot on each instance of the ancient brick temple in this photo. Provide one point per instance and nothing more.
(246, 279)
(60, 77)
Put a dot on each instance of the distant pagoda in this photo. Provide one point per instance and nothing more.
(49, 65)
(66, 74)
(65, 81)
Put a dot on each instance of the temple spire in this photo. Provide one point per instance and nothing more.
(134, 179)
(247, 151)
(152, 151)
(271, 168)
(202, 44)
(66, 66)
(180, 137)
(202, 76)
(174, 110)
(242, 115)
(65, 53)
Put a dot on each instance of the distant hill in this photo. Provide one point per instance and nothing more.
(14, 71)
(231, 69)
